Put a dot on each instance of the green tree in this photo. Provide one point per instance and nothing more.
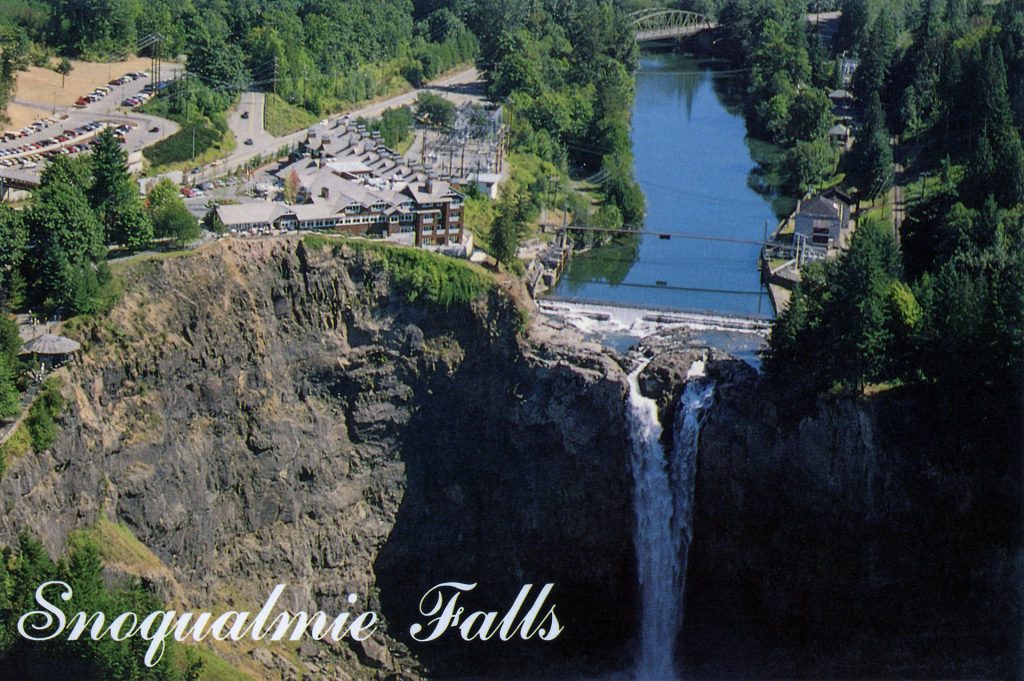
(76, 171)
(114, 197)
(860, 308)
(394, 125)
(10, 344)
(808, 164)
(844, 320)
(162, 194)
(23, 570)
(216, 61)
(871, 157)
(66, 255)
(94, 28)
(170, 217)
(509, 226)
(810, 115)
(997, 163)
(64, 68)
(13, 245)
(622, 190)
(438, 110)
(175, 222)
(853, 25)
(876, 57)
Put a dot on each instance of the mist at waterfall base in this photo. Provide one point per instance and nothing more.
(663, 504)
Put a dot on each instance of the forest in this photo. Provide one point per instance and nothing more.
(937, 308)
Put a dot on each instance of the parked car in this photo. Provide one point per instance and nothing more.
(249, 141)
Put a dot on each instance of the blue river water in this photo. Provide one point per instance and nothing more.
(693, 161)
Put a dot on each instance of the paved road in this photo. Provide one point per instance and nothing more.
(250, 127)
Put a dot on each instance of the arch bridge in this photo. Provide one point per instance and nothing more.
(659, 23)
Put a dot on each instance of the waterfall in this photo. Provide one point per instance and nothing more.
(693, 405)
(663, 503)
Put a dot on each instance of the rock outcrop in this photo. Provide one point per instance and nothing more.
(265, 412)
(848, 545)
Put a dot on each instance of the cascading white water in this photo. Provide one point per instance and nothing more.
(693, 405)
(663, 502)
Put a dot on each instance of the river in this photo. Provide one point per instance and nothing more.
(694, 162)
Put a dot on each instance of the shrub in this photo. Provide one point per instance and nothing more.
(42, 428)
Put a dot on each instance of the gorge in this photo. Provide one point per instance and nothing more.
(292, 410)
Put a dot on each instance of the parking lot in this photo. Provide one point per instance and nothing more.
(68, 141)
(70, 130)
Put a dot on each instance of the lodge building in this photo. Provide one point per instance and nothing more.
(351, 183)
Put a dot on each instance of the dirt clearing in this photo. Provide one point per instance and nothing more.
(41, 87)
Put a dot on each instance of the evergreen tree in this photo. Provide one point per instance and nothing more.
(10, 344)
(998, 164)
(64, 68)
(871, 157)
(13, 242)
(114, 197)
(75, 171)
(876, 57)
(509, 226)
(10, 398)
(860, 308)
(853, 25)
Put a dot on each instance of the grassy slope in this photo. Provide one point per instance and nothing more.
(175, 152)
(281, 118)
(438, 280)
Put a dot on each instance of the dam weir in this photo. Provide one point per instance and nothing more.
(663, 491)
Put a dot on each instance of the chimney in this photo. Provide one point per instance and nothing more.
(325, 193)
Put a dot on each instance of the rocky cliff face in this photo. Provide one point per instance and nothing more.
(263, 412)
(849, 544)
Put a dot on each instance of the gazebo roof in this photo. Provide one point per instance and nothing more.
(49, 344)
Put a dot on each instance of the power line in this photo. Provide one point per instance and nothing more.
(665, 235)
(667, 287)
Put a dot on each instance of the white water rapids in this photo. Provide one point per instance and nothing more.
(663, 503)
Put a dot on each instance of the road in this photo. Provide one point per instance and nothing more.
(458, 87)
(250, 126)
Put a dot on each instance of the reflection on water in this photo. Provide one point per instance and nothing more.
(694, 164)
